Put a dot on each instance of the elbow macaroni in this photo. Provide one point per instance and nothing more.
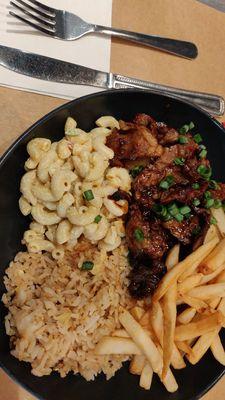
(53, 190)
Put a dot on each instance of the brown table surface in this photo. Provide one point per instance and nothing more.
(19, 110)
(13, 122)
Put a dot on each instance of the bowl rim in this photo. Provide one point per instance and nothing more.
(45, 118)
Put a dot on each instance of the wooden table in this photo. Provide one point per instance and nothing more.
(19, 110)
(13, 122)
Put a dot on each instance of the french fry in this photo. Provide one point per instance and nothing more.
(144, 320)
(169, 318)
(208, 291)
(169, 381)
(146, 376)
(120, 333)
(208, 278)
(116, 345)
(172, 275)
(220, 278)
(186, 316)
(211, 233)
(184, 346)
(198, 304)
(198, 328)
(142, 340)
(214, 303)
(218, 213)
(218, 350)
(201, 346)
(190, 282)
(137, 364)
(172, 257)
(137, 312)
(191, 270)
(214, 259)
(156, 317)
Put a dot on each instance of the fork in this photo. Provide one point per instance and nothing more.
(64, 25)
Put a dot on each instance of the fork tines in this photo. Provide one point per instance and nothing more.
(44, 15)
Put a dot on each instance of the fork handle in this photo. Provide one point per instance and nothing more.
(209, 102)
(173, 46)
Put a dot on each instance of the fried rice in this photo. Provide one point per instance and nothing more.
(59, 312)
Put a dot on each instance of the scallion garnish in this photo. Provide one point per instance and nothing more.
(167, 182)
(209, 203)
(191, 125)
(204, 171)
(197, 138)
(184, 210)
(173, 209)
(88, 195)
(97, 219)
(195, 185)
(217, 203)
(182, 139)
(138, 234)
(203, 153)
(184, 129)
(136, 170)
(196, 202)
(213, 184)
(179, 217)
(87, 265)
(179, 161)
(213, 221)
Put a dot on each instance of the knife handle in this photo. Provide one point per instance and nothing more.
(209, 102)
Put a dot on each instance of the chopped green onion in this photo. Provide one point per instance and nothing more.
(167, 182)
(217, 203)
(160, 210)
(213, 184)
(182, 139)
(179, 217)
(184, 129)
(185, 210)
(138, 234)
(173, 209)
(179, 161)
(197, 138)
(88, 195)
(196, 202)
(136, 170)
(213, 221)
(202, 147)
(207, 195)
(209, 203)
(204, 171)
(203, 153)
(191, 125)
(196, 230)
(97, 219)
(196, 185)
(87, 265)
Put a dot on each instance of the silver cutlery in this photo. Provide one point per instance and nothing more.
(64, 25)
(50, 69)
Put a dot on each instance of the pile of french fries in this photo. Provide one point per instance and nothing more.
(184, 317)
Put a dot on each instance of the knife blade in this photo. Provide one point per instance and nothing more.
(51, 69)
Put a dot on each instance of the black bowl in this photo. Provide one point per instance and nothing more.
(193, 381)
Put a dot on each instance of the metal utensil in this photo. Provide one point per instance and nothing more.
(50, 69)
(64, 25)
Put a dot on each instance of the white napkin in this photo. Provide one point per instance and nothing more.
(91, 51)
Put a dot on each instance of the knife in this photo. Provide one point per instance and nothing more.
(54, 70)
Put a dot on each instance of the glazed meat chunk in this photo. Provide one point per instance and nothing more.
(144, 237)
